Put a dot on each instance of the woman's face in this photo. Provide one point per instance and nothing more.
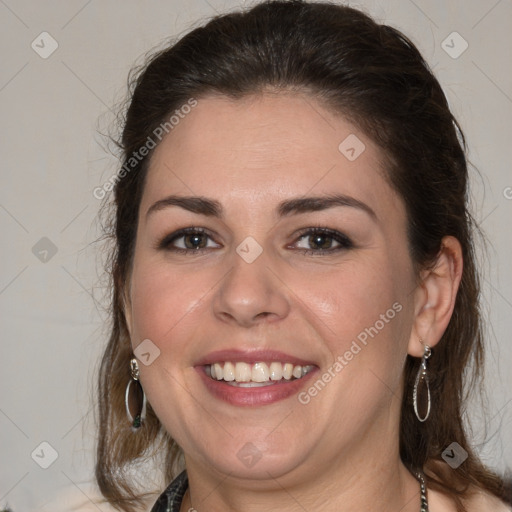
(272, 278)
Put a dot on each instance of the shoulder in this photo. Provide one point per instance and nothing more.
(480, 501)
(486, 502)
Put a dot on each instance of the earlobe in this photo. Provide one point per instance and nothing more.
(435, 297)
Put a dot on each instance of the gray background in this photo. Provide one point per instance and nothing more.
(52, 158)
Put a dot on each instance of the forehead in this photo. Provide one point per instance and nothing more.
(264, 148)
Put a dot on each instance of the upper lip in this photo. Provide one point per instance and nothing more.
(251, 357)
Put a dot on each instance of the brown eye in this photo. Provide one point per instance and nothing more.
(321, 240)
(197, 241)
(188, 240)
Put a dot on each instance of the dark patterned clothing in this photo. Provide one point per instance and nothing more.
(170, 500)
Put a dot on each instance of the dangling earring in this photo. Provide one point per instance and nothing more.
(136, 400)
(421, 392)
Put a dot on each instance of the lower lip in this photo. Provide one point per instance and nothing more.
(263, 395)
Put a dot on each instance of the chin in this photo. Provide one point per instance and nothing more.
(256, 460)
(263, 469)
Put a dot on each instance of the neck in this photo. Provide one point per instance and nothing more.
(337, 488)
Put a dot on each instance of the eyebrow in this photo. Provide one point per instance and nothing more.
(212, 208)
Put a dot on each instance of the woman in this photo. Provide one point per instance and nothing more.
(295, 293)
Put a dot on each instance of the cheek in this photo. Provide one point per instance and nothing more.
(161, 299)
(365, 320)
(353, 299)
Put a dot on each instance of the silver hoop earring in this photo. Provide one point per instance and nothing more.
(421, 392)
(135, 398)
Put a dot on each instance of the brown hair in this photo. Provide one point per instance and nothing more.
(374, 76)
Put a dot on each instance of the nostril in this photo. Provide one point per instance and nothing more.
(264, 314)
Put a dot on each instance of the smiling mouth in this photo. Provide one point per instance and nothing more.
(259, 374)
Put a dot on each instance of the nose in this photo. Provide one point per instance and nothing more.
(251, 293)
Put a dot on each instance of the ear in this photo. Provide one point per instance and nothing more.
(434, 298)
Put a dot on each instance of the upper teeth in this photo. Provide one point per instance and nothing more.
(257, 372)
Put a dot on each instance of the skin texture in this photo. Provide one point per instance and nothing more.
(338, 452)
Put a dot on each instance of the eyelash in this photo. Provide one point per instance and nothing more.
(344, 242)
